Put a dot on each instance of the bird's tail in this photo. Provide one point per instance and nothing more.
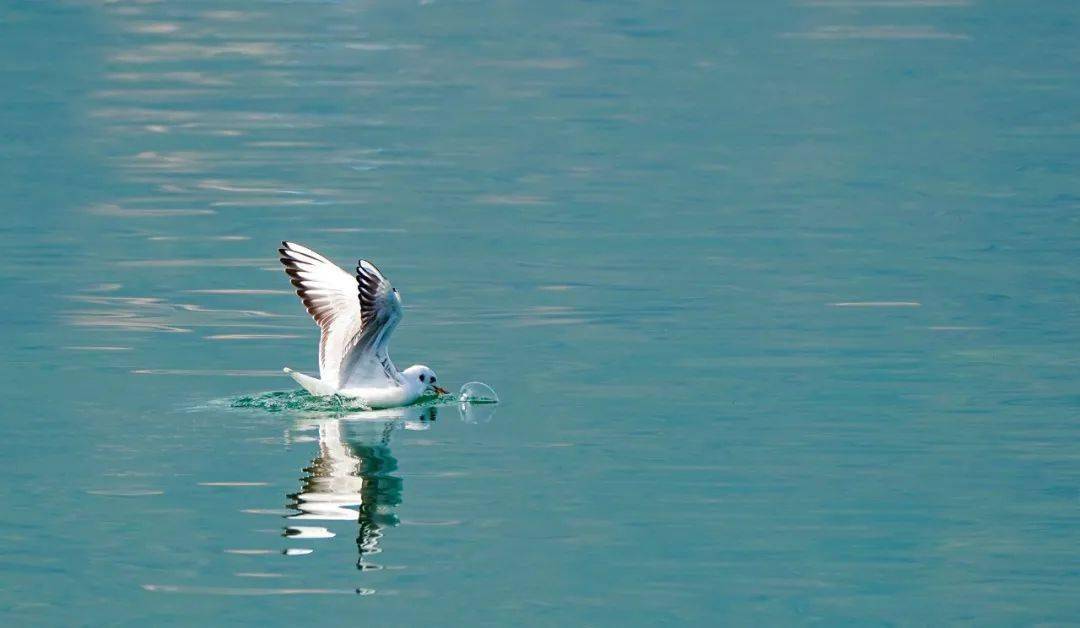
(314, 386)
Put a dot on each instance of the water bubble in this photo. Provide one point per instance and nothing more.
(476, 402)
(477, 392)
(476, 412)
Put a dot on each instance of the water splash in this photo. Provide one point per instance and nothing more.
(336, 405)
(300, 401)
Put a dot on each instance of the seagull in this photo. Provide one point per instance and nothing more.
(356, 314)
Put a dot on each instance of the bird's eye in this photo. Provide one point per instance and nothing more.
(421, 377)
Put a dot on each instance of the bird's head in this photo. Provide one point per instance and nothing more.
(424, 379)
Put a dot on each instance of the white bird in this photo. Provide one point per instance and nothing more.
(356, 316)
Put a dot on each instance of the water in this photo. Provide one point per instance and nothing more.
(780, 300)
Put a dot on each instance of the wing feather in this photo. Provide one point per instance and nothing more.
(329, 294)
(380, 312)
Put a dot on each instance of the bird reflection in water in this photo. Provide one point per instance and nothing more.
(352, 477)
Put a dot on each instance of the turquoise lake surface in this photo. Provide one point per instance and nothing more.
(781, 299)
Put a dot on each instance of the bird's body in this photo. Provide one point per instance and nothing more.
(356, 316)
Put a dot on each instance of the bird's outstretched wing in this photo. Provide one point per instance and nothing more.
(380, 312)
(355, 314)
